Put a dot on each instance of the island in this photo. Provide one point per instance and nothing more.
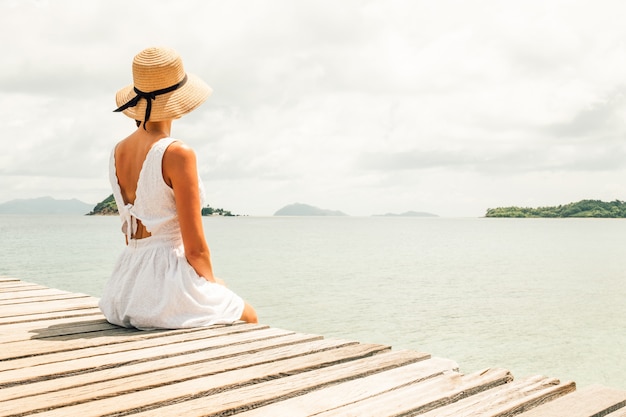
(298, 209)
(44, 205)
(108, 207)
(583, 208)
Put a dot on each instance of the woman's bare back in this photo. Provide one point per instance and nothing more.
(130, 155)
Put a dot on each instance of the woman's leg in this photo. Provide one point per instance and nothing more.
(249, 315)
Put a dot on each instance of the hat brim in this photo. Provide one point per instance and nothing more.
(167, 106)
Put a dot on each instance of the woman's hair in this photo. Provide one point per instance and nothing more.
(138, 123)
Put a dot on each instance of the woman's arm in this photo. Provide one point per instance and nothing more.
(180, 172)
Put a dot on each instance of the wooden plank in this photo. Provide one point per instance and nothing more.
(353, 391)
(592, 401)
(34, 293)
(49, 316)
(48, 306)
(115, 387)
(261, 383)
(247, 354)
(29, 326)
(60, 327)
(109, 342)
(424, 396)
(40, 298)
(102, 389)
(57, 331)
(58, 369)
(163, 338)
(506, 400)
(25, 329)
(619, 413)
(21, 349)
(276, 392)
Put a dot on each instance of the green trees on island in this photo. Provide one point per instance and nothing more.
(583, 208)
(105, 207)
(108, 207)
(210, 211)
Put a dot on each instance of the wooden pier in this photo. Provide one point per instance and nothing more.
(59, 357)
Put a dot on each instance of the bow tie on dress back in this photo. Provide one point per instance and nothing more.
(149, 96)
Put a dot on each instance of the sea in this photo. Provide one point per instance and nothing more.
(534, 296)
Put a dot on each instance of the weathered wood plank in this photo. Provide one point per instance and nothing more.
(34, 293)
(64, 329)
(48, 306)
(24, 328)
(92, 363)
(112, 388)
(163, 338)
(506, 400)
(352, 391)
(21, 349)
(425, 396)
(109, 343)
(40, 298)
(592, 401)
(265, 395)
(49, 316)
(619, 413)
(259, 383)
(247, 354)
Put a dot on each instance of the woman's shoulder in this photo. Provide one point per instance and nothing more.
(179, 166)
(178, 149)
(178, 158)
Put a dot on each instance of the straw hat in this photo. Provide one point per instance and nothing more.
(161, 89)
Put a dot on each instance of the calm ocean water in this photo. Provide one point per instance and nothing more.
(535, 296)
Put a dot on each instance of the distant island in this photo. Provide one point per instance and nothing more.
(44, 205)
(298, 209)
(408, 214)
(108, 207)
(583, 208)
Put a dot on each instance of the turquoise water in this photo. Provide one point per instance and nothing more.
(535, 296)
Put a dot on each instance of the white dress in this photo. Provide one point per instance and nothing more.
(152, 285)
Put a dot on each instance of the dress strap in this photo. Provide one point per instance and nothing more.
(129, 221)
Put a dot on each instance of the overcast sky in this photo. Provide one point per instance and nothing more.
(367, 107)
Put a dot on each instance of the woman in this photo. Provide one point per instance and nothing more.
(164, 277)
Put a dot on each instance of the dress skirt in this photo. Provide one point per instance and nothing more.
(153, 286)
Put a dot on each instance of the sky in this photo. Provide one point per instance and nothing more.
(367, 107)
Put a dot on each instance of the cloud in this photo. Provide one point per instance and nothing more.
(603, 117)
(359, 106)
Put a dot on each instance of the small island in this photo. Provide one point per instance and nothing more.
(583, 208)
(108, 207)
(299, 209)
